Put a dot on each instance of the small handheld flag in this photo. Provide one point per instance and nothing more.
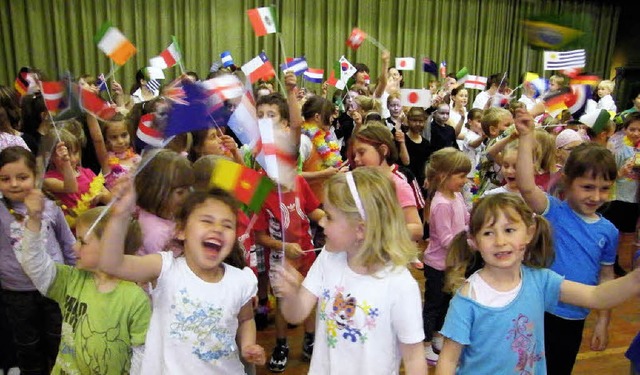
(101, 82)
(52, 93)
(405, 63)
(147, 133)
(258, 68)
(415, 98)
(263, 20)
(114, 44)
(314, 75)
(92, 103)
(475, 82)
(429, 66)
(443, 69)
(342, 71)
(246, 184)
(462, 75)
(549, 35)
(167, 58)
(227, 59)
(22, 81)
(297, 66)
(566, 59)
(356, 38)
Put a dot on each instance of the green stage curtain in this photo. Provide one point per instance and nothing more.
(486, 36)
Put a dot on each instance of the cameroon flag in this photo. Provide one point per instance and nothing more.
(246, 184)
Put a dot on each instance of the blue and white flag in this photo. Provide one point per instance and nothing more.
(565, 59)
(297, 66)
(227, 59)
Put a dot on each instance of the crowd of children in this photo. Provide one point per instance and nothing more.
(514, 215)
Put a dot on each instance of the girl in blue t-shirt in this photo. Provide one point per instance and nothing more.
(585, 243)
(501, 307)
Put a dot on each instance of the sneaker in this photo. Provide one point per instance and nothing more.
(430, 355)
(437, 343)
(279, 358)
(307, 345)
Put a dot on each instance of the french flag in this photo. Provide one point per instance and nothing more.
(314, 75)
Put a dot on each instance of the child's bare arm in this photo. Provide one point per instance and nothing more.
(246, 335)
(98, 143)
(525, 169)
(382, 80)
(296, 302)
(449, 357)
(112, 258)
(413, 359)
(602, 296)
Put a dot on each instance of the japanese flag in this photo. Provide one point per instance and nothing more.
(415, 98)
(405, 63)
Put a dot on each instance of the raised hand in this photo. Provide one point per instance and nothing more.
(524, 122)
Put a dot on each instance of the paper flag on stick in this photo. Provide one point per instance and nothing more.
(476, 82)
(405, 63)
(246, 184)
(114, 44)
(415, 98)
(297, 66)
(429, 66)
(356, 38)
(342, 71)
(314, 75)
(565, 59)
(167, 58)
(92, 103)
(258, 68)
(263, 20)
(52, 93)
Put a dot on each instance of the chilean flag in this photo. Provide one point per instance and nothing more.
(258, 68)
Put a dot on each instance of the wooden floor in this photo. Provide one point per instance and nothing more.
(624, 326)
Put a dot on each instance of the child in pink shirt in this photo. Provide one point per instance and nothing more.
(446, 175)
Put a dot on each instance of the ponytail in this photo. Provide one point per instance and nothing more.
(460, 256)
(540, 253)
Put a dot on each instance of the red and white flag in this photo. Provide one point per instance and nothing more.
(405, 63)
(276, 152)
(415, 98)
(168, 58)
(356, 38)
(258, 68)
(52, 92)
(92, 103)
(314, 75)
(475, 82)
(148, 133)
(227, 86)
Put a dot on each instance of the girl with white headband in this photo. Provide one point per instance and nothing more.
(368, 304)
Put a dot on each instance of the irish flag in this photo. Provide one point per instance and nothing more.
(263, 20)
(169, 57)
(114, 44)
(246, 184)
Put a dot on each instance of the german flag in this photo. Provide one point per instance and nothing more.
(22, 84)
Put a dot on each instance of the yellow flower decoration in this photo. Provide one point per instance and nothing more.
(85, 201)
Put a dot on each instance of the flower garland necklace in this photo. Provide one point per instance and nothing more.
(325, 143)
(115, 158)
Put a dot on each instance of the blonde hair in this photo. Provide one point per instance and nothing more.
(607, 84)
(133, 237)
(492, 117)
(544, 152)
(444, 163)
(557, 79)
(538, 253)
(368, 104)
(386, 238)
(166, 171)
(393, 95)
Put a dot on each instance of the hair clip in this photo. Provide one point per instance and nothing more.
(354, 193)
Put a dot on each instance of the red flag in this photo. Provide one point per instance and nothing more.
(94, 104)
(52, 92)
(356, 38)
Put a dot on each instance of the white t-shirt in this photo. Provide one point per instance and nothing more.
(472, 153)
(528, 102)
(194, 323)
(481, 100)
(361, 319)
(498, 190)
